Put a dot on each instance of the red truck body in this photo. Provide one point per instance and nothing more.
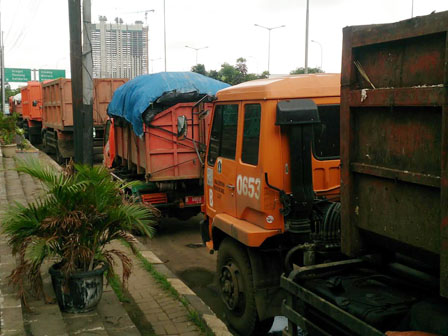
(10, 102)
(15, 105)
(57, 116)
(32, 111)
(172, 167)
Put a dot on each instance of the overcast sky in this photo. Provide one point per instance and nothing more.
(36, 31)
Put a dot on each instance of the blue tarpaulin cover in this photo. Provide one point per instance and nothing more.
(132, 99)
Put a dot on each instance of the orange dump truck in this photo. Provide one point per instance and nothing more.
(32, 111)
(272, 181)
(57, 116)
(157, 134)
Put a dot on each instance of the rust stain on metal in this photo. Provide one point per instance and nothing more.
(444, 223)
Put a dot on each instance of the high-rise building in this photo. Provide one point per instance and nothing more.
(119, 50)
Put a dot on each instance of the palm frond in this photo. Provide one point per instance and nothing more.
(83, 210)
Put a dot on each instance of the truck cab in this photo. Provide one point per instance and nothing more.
(272, 159)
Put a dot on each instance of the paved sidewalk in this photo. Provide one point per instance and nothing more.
(152, 311)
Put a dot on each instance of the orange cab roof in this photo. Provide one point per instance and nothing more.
(287, 87)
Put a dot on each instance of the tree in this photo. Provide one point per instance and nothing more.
(200, 69)
(10, 92)
(301, 70)
(213, 74)
(241, 66)
(231, 74)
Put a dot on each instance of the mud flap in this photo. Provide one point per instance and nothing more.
(204, 227)
(66, 148)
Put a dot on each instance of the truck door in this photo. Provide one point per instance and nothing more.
(221, 164)
(248, 180)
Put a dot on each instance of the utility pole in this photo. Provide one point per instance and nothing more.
(82, 134)
(3, 73)
(306, 34)
(87, 81)
(164, 32)
(2, 60)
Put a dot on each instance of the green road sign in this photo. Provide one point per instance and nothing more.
(17, 75)
(45, 74)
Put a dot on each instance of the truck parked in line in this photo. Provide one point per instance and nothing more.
(157, 134)
(372, 259)
(394, 190)
(271, 183)
(32, 111)
(15, 104)
(57, 116)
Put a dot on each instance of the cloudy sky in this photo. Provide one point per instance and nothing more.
(36, 32)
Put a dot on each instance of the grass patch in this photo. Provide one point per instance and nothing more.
(115, 283)
(166, 285)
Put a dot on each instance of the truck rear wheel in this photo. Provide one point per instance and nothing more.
(235, 283)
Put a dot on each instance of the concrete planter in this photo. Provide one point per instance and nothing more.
(9, 151)
(26, 154)
(81, 293)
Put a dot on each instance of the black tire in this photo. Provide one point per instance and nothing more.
(26, 130)
(44, 142)
(263, 327)
(59, 157)
(186, 213)
(235, 285)
(35, 139)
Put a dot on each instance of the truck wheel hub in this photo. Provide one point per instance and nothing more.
(229, 285)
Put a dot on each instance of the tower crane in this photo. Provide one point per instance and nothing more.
(143, 11)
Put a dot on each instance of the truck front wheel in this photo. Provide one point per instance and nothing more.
(235, 284)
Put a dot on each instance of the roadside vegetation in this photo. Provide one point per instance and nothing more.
(166, 285)
(238, 73)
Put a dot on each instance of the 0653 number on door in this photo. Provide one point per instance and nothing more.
(248, 186)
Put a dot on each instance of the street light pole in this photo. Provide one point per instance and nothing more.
(306, 35)
(196, 49)
(152, 63)
(269, 40)
(321, 52)
(2, 60)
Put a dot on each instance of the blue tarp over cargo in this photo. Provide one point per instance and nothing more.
(133, 98)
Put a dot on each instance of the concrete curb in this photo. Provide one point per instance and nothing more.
(213, 323)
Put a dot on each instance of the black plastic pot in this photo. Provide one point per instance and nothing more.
(81, 292)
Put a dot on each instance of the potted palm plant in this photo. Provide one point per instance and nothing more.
(8, 134)
(82, 212)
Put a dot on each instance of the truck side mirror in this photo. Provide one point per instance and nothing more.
(182, 128)
(34, 102)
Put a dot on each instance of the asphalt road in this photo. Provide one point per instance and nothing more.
(178, 244)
